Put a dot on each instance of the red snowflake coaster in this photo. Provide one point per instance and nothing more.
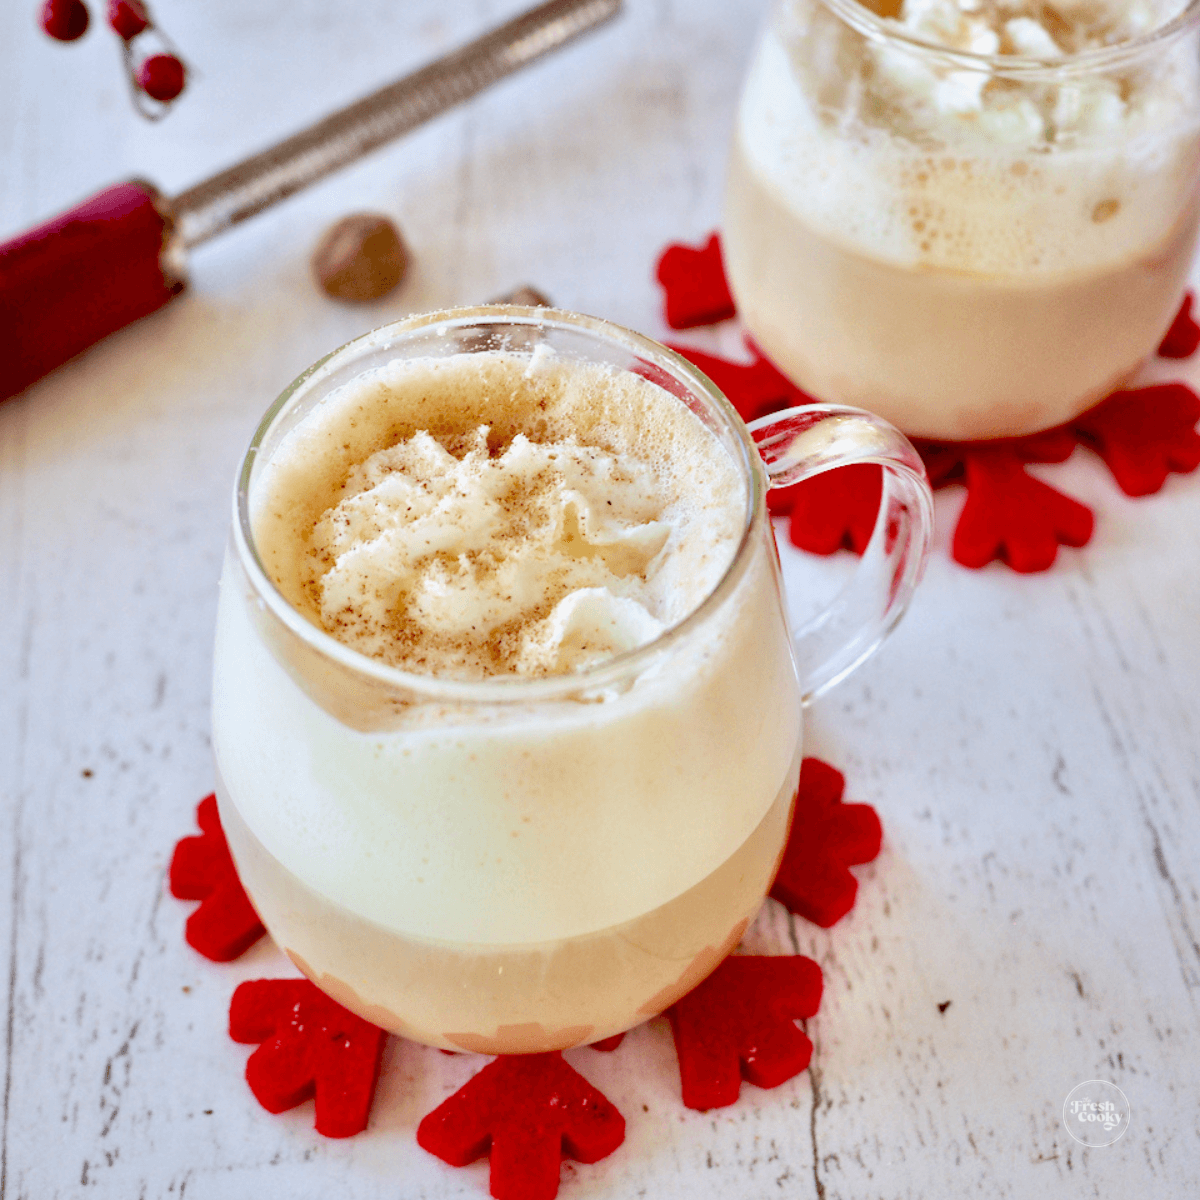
(225, 925)
(1145, 434)
(740, 1023)
(694, 284)
(826, 839)
(1014, 517)
(1183, 338)
(310, 1047)
(755, 388)
(527, 1113)
(835, 510)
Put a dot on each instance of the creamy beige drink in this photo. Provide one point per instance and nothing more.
(974, 217)
(512, 767)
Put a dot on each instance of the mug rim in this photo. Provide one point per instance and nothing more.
(499, 688)
(1016, 66)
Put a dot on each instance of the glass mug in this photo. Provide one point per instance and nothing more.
(516, 865)
(972, 244)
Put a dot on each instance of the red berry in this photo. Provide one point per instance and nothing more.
(127, 17)
(162, 77)
(65, 20)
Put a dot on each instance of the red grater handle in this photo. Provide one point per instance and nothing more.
(81, 276)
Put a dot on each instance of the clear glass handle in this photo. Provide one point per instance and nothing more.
(801, 442)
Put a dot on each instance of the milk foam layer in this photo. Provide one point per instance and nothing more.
(497, 513)
(919, 165)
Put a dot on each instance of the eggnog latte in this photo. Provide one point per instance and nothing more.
(974, 217)
(505, 714)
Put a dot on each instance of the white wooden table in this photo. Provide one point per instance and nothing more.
(1032, 744)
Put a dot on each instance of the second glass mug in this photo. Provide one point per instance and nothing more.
(518, 865)
(972, 244)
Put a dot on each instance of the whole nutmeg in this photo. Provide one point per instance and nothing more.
(360, 258)
(525, 295)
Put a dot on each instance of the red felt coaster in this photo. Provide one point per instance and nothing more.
(527, 1112)
(694, 285)
(835, 510)
(1012, 516)
(755, 388)
(1048, 446)
(1144, 435)
(740, 1024)
(311, 1047)
(1183, 338)
(826, 839)
(225, 925)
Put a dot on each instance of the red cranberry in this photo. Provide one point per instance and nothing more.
(162, 77)
(65, 20)
(127, 17)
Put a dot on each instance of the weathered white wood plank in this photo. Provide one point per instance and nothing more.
(1031, 744)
